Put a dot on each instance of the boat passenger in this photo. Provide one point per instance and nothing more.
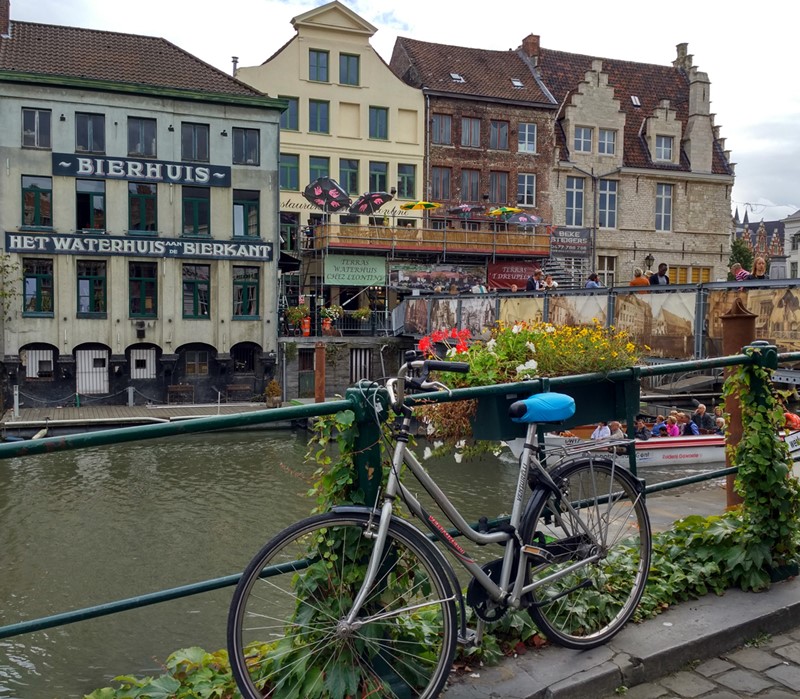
(720, 426)
(672, 427)
(662, 431)
(704, 421)
(792, 421)
(688, 428)
(658, 424)
(601, 431)
(642, 430)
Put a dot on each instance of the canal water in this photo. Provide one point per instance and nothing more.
(91, 526)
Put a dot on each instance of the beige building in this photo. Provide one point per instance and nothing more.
(138, 203)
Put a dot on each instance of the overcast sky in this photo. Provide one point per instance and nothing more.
(747, 49)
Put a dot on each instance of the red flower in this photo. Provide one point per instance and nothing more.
(425, 344)
(439, 335)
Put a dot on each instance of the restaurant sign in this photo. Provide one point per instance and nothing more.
(350, 270)
(153, 171)
(94, 244)
(571, 242)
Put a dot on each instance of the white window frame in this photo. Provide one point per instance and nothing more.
(607, 142)
(664, 206)
(607, 198)
(526, 137)
(606, 269)
(526, 189)
(582, 143)
(664, 148)
(574, 202)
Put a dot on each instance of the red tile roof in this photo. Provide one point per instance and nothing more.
(129, 59)
(487, 74)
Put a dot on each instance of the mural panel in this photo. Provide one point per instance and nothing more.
(416, 318)
(478, 315)
(578, 310)
(662, 321)
(444, 314)
(529, 310)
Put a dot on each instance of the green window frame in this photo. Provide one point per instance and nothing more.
(90, 205)
(142, 137)
(318, 62)
(318, 166)
(90, 133)
(37, 287)
(246, 146)
(194, 142)
(378, 176)
(196, 206)
(319, 116)
(143, 289)
(246, 292)
(142, 207)
(246, 213)
(406, 181)
(91, 288)
(379, 123)
(290, 117)
(36, 128)
(348, 175)
(196, 291)
(289, 165)
(37, 201)
(349, 69)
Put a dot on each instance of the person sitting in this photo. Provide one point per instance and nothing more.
(638, 278)
(687, 427)
(658, 424)
(672, 427)
(662, 431)
(720, 426)
(792, 420)
(704, 421)
(601, 431)
(616, 430)
(593, 282)
(642, 432)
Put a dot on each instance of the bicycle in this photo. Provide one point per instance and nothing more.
(359, 602)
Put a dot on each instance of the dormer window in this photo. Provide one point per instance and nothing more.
(635, 101)
(456, 77)
(516, 82)
(664, 148)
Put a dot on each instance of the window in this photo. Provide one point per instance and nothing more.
(583, 139)
(37, 280)
(142, 288)
(348, 69)
(318, 65)
(664, 148)
(318, 167)
(290, 171)
(526, 189)
(689, 275)
(441, 129)
(607, 204)
(142, 137)
(37, 201)
(574, 212)
(406, 181)
(606, 268)
(90, 133)
(663, 207)
(245, 213)
(196, 362)
(91, 287)
(470, 185)
(196, 291)
(471, 132)
(246, 150)
(498, 135)
(142, 207)
(793, 270)
(457, 78)
(348, 175)
(606, 142)
(39, 364)
(194, 142)
(498, 187)
(318, 116)
(245, 292)
(36, 128)
(378, 176)
(440, 182)
(290, 118)
(526, 138)
(379, 123)
(196, 211)
(90, 205)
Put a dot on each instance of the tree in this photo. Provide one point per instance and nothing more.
(742, 254)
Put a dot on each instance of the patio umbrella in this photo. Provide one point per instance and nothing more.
(415, 205)
(504, 211)
(370, 202)
(466, 209)
(327, 194)
(524, 219)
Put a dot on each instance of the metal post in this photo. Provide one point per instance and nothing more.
(130, 396)
(16, 400)
(319, 372)
(371, 407)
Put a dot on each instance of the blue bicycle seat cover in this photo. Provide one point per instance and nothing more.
(543, 407)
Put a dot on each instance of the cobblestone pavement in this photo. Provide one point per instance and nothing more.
(766, 667)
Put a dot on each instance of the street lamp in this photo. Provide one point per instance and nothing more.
(648, 261)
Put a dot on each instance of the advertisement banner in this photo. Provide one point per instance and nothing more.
(571, 242)
(507, 275)
(436, 278)
(352, 270)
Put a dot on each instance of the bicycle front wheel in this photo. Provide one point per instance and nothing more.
(588, 605)
(288, 634)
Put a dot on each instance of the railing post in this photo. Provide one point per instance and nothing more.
(319, 372)
(371, 407)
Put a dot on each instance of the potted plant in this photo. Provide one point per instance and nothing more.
(273, 394)
(295, 314)
(361, 314)
(331, 312)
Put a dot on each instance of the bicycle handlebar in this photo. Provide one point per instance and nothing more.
(396, 387)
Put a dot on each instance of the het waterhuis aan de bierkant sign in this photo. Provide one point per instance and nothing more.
(145, 170)
(350, 270)
(99, 244)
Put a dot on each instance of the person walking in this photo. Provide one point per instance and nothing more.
(638, 278)
(660, 278)
(593, 282)
(739, 273)
(534, 281)
(759, 269)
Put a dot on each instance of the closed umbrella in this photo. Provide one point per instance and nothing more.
(419, 205)
(504, 211)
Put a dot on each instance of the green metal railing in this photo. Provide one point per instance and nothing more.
(624, 398)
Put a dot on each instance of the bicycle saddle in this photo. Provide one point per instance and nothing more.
(543, 407)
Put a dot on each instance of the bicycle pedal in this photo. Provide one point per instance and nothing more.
(472, 638)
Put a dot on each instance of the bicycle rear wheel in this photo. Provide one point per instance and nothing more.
(590, 604)
(287, 635)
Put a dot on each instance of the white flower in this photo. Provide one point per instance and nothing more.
(491, 345)
(531, 347)
(451, 352)
(550, 329)
(517, 329)
(528, 367)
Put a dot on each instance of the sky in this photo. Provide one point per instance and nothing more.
(746, 48)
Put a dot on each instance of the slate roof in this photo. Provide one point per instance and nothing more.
(128, 59)
(487, 74)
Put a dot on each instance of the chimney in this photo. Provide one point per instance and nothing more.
(235, 61)
(5, 17)
(530, 46)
